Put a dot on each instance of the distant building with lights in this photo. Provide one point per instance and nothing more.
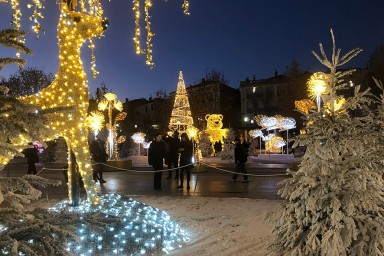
(261, 97)
(212, 97)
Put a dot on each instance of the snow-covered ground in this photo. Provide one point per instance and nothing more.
(219, 226)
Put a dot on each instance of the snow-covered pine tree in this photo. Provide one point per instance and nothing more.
(10, 38)
(61, 150)
(333, 205)
(204, 144)
(228, 152)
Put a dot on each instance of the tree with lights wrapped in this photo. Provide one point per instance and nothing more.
(181, 117)
(333, 205)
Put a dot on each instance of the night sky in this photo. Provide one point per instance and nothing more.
(239, 38)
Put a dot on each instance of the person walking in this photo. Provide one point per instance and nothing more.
(186, 154)
(156, 156)
(173, 155)
(240, 160)
(100, 156)
(32, 155)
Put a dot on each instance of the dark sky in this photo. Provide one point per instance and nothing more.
(239, 38)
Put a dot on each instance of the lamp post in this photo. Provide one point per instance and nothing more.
(110, 102)
(317, 87)
(95, 121)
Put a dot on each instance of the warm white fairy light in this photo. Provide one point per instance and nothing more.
(138, 137)
(136, 39)
(150, 34)
(286, 123)
(70, 89)
(185, 7)
(95, 121)
(139, 229)
(181, 116)
(255, 133)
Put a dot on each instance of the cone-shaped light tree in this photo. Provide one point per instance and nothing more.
(181, 117)
(333, 204)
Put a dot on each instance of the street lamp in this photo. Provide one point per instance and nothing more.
(95, 122)
(110, 102)
(317, 86)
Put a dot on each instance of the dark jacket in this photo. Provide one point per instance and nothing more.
(98, 151)
(174, 144)
(240, 153)
(32, 154)
(156, 154)
(186, 153)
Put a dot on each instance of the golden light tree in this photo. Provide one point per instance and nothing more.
(181, 117)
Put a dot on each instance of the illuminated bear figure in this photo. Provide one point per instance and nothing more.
(214, 129)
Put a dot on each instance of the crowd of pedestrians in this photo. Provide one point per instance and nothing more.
(177, 153)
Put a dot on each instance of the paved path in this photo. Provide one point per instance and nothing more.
(215, 181)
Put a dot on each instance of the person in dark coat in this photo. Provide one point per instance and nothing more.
(173, 155)
(186, 154)
(32, 155)
(100, 156)
(156, 156)
(240, 160)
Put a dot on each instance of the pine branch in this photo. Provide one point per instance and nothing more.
(9, 38)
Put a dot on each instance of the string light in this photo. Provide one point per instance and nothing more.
(93, 59)
(70, 88)
(136, 39)
(129, 227)
(149, 62)
(185, 7)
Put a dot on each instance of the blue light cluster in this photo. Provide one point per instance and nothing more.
(135, 229)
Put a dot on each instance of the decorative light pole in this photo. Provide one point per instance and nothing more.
(110, 102)
(192, 133)
(95, 122)
(317, 86)
(138, 138)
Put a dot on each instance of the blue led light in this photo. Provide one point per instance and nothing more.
(132, 228)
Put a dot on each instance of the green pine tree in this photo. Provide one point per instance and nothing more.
(10, 38)
(333, 205)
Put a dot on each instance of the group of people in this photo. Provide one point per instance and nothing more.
(169, 149)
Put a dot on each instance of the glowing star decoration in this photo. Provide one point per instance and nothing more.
(135, 228)
(70, 88)
(274, 144)
(214, 129)
(181, 116)
(138, 138)
(110, 102)
(317, 85)
(305, 105)
(95, 121)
